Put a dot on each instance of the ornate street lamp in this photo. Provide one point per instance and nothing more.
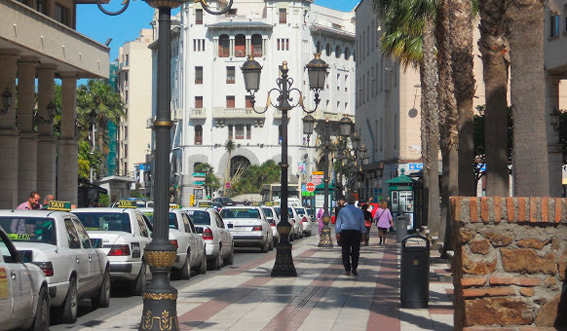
(308, 126)
(317, 70)
(160, 298)
(51, 110)
(6, 101)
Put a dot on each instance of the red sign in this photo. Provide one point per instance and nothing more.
(310, 187)
(227, 185)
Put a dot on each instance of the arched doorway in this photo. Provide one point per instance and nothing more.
(238, 162)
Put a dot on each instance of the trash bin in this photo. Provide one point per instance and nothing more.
(414, 274)
(401, 228)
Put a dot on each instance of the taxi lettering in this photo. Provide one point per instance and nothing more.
(15, 236)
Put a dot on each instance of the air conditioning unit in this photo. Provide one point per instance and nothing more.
(149, 123)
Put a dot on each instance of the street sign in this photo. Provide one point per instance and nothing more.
(310, 187)
(317, 173)
(227, 185)
(199, 179)
(199, 174)
(199, 183)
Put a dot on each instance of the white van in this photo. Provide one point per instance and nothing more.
(291, 202)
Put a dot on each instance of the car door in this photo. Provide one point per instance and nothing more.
(95, 270)
(224, 233)
(78, 258)
(192, 239)
(143, 232)
(6, 289)
(198, 240)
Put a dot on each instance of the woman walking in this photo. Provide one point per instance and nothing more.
(384, 221)
(367, 222)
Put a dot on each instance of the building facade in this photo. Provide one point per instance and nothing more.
(209, 100)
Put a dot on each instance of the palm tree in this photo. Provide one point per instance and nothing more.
(495, 51)
(229, 146)
(527, 90)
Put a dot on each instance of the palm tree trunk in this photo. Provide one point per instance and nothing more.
(527, 89)
(448, 118)
(430, 128)
(462, 57)
(495, 50)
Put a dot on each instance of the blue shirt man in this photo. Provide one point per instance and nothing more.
(350, 218)
(350, 231)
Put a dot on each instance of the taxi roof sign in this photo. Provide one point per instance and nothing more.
(127, 204)
(174, 206)
(59, 205)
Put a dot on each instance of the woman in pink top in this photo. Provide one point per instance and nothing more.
(383, 220)
(320, 214)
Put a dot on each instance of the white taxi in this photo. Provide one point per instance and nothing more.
(57, 242)
(184, 236)
(304, 220)
(24, 296)
(248, 226)
(125, 233)
(273, 218)
(215, 234)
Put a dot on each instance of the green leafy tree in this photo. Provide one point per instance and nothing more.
(212, 182)
(254, 177)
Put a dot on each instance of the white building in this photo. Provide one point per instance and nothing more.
(209, 100)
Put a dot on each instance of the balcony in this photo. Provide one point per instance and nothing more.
(222, 112)
(197, 113)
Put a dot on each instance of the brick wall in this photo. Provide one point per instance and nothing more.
(510, 261)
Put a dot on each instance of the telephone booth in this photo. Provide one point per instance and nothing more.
(402, 198)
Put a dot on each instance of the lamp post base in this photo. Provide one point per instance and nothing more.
(284, 261)
(326, 240)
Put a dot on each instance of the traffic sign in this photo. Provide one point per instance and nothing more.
(227, 185)
(199, 174)
(310, 187)
(199, 183)
(199, 179)
(317, 173)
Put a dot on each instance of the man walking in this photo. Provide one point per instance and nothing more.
(350, 231)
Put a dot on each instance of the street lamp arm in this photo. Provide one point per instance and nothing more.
(214, 12)
(172, 4)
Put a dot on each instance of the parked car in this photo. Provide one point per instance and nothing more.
(273, 219)
(24, 293)
(224, 201)
(57, 242)
(294, 220)
(248, 226)
(125, 233)
(305, 220)
(215, 234)
(184, 236)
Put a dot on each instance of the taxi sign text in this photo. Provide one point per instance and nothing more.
(59, 205)
(126, 204)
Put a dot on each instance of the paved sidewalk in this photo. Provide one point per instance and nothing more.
(321, 297)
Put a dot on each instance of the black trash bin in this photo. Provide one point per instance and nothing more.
(401, 228)
(414, 274)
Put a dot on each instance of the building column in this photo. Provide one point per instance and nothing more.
(9, 140)
(46, 144)
(68, 149)
(27, 154)
(554, 147)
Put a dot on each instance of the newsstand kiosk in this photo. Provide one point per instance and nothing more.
(402, 198)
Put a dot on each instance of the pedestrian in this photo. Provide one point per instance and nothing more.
(320, 215)
(383, 220)
(31, 203)
(350, 231)
(367, 222)
(48, 198)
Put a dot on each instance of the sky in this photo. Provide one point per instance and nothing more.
(125, 27)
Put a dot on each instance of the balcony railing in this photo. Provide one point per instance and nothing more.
(197, 113)
(222, 112)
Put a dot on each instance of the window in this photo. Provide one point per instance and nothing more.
(283, 44)
(198, 102)
(231, 12)
(224, 46)
(318, 47)
(198, 135)
(198, 75)
(230, 101)
(72, 235)
(42, 6)
(198, 45)
(248, 101)
(239, 131)
(230, 75)
(230, 136)
(83, 236)
(283, 16)
(240, 45)
(61, 14)
(198, 16)
(347, 53)
(328, 50)
(248, 131)
(338, 82)
(554, 28)
(126, 96)
(257, 45)
(338, 51)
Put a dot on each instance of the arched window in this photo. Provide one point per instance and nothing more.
(318, 47)
(257, 45)
(337, 51)
(240, 45)
(328, 49)
(224, 46)
(347, 53)
(238, 162)
(198, 135)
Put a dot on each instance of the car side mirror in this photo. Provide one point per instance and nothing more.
(25, 256)
(97, 243)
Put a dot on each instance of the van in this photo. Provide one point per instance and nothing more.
(291, 202)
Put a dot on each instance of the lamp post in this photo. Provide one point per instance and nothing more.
(160, 298)
(92, 121)
(317, 70)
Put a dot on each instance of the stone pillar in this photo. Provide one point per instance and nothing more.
(27, 154)
(9, 139)
(68, 149)
(554, 147)
(46, 145)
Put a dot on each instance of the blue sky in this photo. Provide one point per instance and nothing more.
(125, 27)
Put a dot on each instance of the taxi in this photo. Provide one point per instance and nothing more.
(125, 232)
(56, 241)
(248, 226)
(24, 297)
(184, 236)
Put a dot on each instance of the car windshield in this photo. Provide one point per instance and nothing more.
(300, 211)
(199, 217)
(172, 219)
(240, 213)
(33, 229)
(105, 221)
(268, 212)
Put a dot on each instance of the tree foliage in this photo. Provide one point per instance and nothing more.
(212, 182)
(254, 177)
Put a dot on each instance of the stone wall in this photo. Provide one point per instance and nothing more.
(510, 261)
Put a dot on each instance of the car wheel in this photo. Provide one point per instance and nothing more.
(230, 259)
(140, 282)
(41, 319)
(215, 262)
(185, 271)
(71, 303)
(272, 244)
(203, 265)
(266, 247)
(103, 297)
